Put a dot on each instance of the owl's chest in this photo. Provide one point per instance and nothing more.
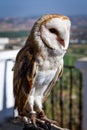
(43, 78)
(49, 63)
(47, 67)
(49, 59)
(47, 71)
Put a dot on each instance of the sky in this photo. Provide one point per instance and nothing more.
(26, 8)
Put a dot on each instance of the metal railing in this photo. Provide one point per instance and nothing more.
(66, 100)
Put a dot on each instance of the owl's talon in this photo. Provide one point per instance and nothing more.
(33, 118)
(34, 121)
(49, 121)
(43, 117)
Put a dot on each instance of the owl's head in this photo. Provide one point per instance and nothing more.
(52, 31)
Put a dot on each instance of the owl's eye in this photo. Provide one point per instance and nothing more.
(52, 30)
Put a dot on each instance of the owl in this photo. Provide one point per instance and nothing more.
(39, 64)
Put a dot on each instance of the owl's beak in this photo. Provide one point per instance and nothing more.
(61, 41)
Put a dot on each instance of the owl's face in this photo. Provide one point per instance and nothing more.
(53, 31)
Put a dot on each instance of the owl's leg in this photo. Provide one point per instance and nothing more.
(16, 116)
(42, 115)
(19, 118)
(32, 114)
(33, 119)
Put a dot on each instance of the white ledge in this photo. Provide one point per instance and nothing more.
(11, 54)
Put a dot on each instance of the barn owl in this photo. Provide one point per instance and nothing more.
(39, 64)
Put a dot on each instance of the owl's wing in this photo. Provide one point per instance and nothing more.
(52, 83)
(24, 75)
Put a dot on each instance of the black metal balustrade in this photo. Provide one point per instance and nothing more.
(65, 102)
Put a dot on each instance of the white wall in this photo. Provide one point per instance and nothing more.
(4, 40)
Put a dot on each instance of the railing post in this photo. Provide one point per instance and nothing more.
(81, 64)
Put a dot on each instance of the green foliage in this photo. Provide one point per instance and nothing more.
(75, 52)
(69, 60)
(14, 34)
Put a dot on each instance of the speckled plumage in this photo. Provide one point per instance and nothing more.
(40, 62)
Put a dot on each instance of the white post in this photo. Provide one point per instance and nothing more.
(6, 83)
(81, 64)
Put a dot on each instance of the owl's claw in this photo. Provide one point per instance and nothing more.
(43, 117)
(49, 121)
(34, 120)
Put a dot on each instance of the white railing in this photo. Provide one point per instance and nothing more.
(6, 83)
